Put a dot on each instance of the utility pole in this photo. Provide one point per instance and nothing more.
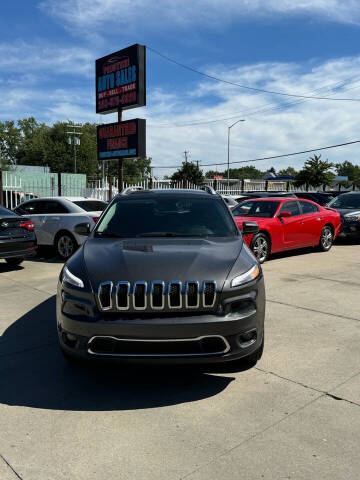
(74, 138)
(228, 153)
(186, 155)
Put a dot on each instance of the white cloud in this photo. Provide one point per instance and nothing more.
(23, 57)
(272, 130)
(130, 13)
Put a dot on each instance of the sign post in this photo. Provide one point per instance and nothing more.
(120, 84)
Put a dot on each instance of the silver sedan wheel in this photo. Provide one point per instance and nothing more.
(65, 246)
(326, 238)
(261, 248)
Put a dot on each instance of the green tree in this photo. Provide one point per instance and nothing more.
(316, 172)
(10, 143)
(287, 171)
(135, 170)
(350, 170)
(189, 172)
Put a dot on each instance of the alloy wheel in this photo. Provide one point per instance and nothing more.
(65, 246)
(326, 238)
(260, 248)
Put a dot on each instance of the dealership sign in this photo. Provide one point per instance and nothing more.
(121, 80)
(122, 139)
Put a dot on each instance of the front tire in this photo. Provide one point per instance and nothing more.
(14, 261)
(326, 239)
(65, 245)
(260, 246)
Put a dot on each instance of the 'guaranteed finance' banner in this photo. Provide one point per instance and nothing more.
(122, 139)
(121, 80)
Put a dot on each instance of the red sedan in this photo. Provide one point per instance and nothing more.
(286, 224)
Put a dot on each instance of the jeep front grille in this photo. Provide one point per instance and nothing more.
(189, 295)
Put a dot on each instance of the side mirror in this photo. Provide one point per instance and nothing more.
(284, 214)
(82, 229)
(250, 228)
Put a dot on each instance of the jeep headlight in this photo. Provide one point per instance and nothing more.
(69, 277)
(246, 277)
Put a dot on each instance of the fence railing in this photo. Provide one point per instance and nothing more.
(16, 190)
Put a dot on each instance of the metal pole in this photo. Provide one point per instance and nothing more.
(120, 161)
(74, 154)
(228, 162)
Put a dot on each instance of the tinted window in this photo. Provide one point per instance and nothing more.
(349, 200)
(291, 207)
(30, 208)
(91, 205)
(53, 207)
(256, 208)
(5, 211)
(167, 216)
(308, 207)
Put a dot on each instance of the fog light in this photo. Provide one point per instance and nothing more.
(69, 339)
(248, 338)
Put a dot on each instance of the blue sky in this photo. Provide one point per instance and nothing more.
(48, 49)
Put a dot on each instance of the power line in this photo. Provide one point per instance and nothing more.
(259, 90)
(270, 158)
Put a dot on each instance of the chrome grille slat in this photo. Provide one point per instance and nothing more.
(140, 295)
(192, 299)
(155, 296)
(105, 295)
(175, 294)
(209, 293)
(122, 296)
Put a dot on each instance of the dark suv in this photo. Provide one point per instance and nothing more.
(164, 277)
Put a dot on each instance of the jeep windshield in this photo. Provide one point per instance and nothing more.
(166, 216)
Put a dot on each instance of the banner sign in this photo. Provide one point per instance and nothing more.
(122, 139)
(121, 80)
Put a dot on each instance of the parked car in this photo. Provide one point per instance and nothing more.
(286, 224)
(230, 201)
(248, 195)
(164, 277)
(17, 237)
(55, 219)
(322, 198)
(348, 205)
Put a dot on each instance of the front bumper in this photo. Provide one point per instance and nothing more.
(240, 329)
(350, 229)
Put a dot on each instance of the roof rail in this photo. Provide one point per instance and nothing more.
(208, 189)
(128, 190)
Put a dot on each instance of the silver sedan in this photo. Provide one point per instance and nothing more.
(55, 219)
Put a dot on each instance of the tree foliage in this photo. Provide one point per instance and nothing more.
(349, 170)
(28, 142)
(189, 172)
(316, 172)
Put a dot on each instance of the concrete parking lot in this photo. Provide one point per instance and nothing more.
(295, 416)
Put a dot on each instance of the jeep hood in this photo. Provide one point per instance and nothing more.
(161, 259)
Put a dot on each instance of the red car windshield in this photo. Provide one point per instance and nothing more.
(256, 208)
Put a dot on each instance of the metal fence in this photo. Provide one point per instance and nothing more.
(16, 190)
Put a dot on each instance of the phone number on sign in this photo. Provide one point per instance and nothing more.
(117, 100)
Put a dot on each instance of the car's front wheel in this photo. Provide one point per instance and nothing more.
(14, 261)
(65, 245)
(260, 246)
(326, 239)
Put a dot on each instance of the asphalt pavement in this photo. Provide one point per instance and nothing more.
(296, 415)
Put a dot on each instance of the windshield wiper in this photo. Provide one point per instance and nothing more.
(167, 234)
(110, 235)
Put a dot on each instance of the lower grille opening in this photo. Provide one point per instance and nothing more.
(111, 346)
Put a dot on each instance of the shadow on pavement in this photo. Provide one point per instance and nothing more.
(33, 373)
(5, 267)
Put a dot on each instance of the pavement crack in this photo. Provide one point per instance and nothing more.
(11, 468)
(324, 392)
(314, 310)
